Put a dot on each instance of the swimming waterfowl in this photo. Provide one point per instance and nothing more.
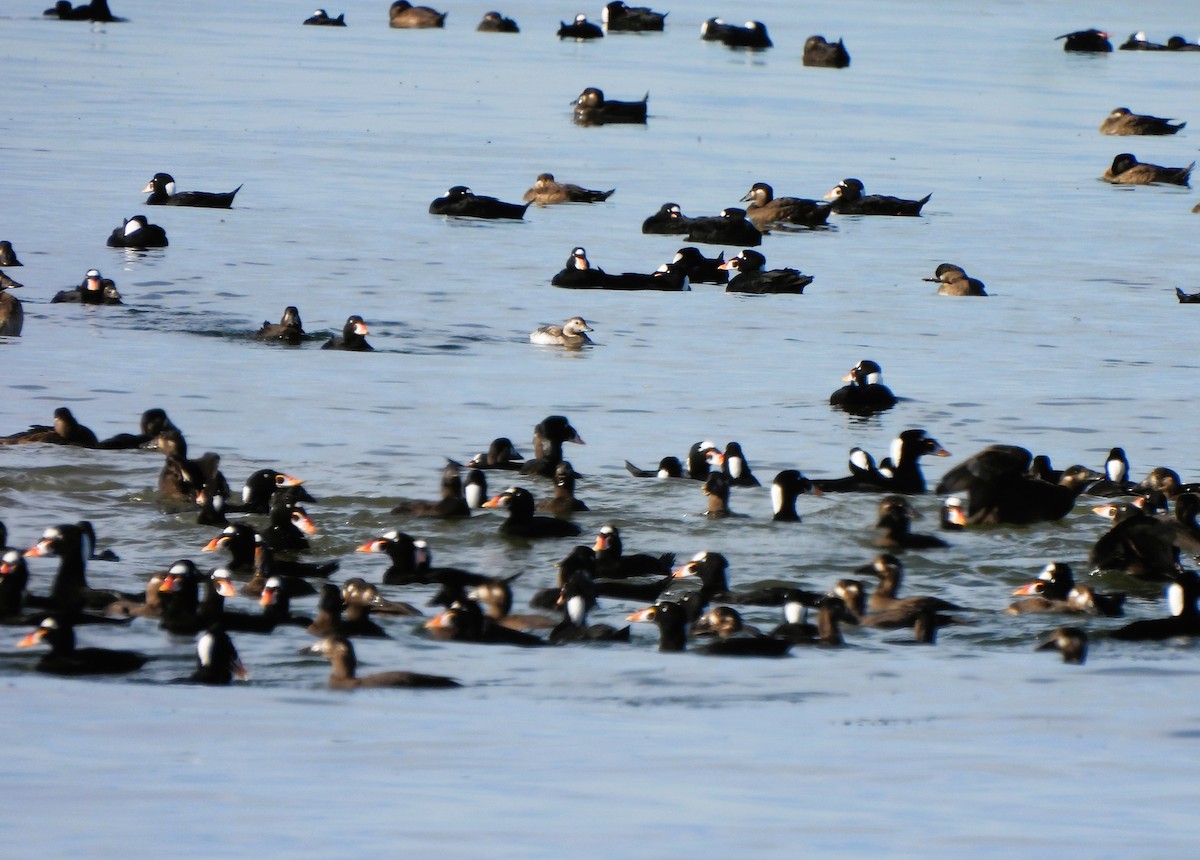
(1179, 43)
(501, 454)
(1115, 480)
(1139, 544)
(412, 562)
(66, 659)
(953, 280)
(765, 209)
(619, 17)
(12, 314)
(361, 597)
(581, 28)
(494, 22)
(751, 278)
(1187, 298)
(752, 35)
(672, 621)
(895, 520)
(668, 467)
(404, 15)
(546, 191)
(66, 430)
(563, 503)
(885, 600)
(1139, 42)
(580, 274)
(1184, 619)
(320, 18)
(1127, 170)
(905, 475)
(735, 467)
(1055, 590)
(461, 202)
(97, 10)
(289, 329)
(1071, 642)
(8, 257)
(592, 108)
(700, 269)
(95, 289)
(613, 563)
(522, 523)
(287, 526)
(669, 220)
(830, 55)
(217, 661)
(343, 676)
(549, 435)
(572, 333)
(787, 486)
(731, 227)
(865, 394)
(14, 578)
(576, 599)
(495, 598)
(137, 232)
(161, 189)
(452, 504)
(1086, 41)
(353, 337)
(464, 621)
(1124, 121)
(847, 198)
(999, 489)
(150, 424)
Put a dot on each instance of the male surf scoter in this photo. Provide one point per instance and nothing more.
(353, 337)
(731, 227)
(137, 232)
(461, 202)
(865, 392)
(581, 29)
(592, 108)
(620, 17)
(847, 198)
(321, 18)
(752, 278)
(161, 189)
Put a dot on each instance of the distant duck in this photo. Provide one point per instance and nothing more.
(494, 22)
(8, 257)
(137, 232)
(1086, 41)
(161, 189)
(765, 208)
(320, 18)
(751, 278)
(753, 35)
(581, 28)
(617, 16)
(1127, 170)
(865, 393)
(592, 108)
(667, 221)
(546, 191)
(1179, 43)
(1139, 42)
(701, 269)
(953, 280)
(289, 329)
(785, 489)
(461, 202)
(1124, 121)
(1070, 642)
(572, 333)
(93, 290)
(999, 489)
(12, 315)
(848, 198)
(404, 15)
(731, 227)
(580, 274)
(353, 336)
(97, 10)
(830, 55)
(1187, 298)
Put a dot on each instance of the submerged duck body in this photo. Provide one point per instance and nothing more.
(289, 329)
(580, 29)
(700, 269)
(321, 18)
(97, 10)
(137, 232)
(619, 17)
(494, 22)
(461, 202)
(752, 35)
(824, 54)
(592, 108)
(161, 189)
(1123, 121)
(1086, 41)
(1127, 170)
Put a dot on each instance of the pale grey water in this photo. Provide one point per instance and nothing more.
(342, 137)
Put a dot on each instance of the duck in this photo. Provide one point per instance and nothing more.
(865, 393)
(825, 54)
(66, 430)
(96, 11)
(248, 554)
(797, 630)
(213, 592)
(617, 16)
(731, 227)
(1115, 481)
(404, 15)
(563, 503)
(14, 579)
(343, 675)
(461, 202)
(764, 209)
(452, 505)
(751, 278)
(182, 479)
(999, 488)
(329, 620)
(905, 476)
(1070, 642)
(66, 659)
(546, 191)
(412, 562)
(669, 220)
(12, 313)
(884, 599)
(892, 613)
(549, 435)
(572, 333)
(217, 660)
(752, 35)
(580, 274)
(953, 280)
(592, 108)
(1179, 43)
(580, 29)
(734, 465)
(287, 526)
(289, 329)
(1187, 298)
(276, 601)
(495, 598)
(149, 607)
(464, 621)
(181, 613)
(672, 620)
(1124, 121)
(361, 598)
(700, 269)
(1184, 619)
(847, 198)
(613, 563)
(716, 491)
(1139, 544)
(522, 523)
(576, 599)
(1139, 42)
(320, 18)
(501, 454)
(731, 632)
(787, 486)
(1086, 41)
(353, 337)
(8, 257)
(895, 519)
(161, 189)
(494, 22)
(265, 487)
(137, 232)
(1127, 170)
(95, 289)
(668, 467)
(1055, 591)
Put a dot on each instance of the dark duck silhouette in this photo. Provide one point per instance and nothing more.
(137, 232)
(289, 329)
(700, 269)
(452, 504)
(494, 22)
(865, 393)
(66, 430)
(576, 599)
(825, 54)
(669, 220)
(752, 278)
(411, 562)
(1123, 121)
(1127, 170)
(612, 563)
(764, 209)
(405, 16)
(344, 673)
(549, 435)
(752, 35)
(464, 621)
(592, 108)
(1055, 590)
(580, 29)
(847, 198)
(461, 202)
(563, 503)
(1184, 619)
(905, 476)
(672, 620)
(785, 489)
(617, 16)
(217, 660)
(999, 489)
(12, 312)
(1086, 41)
(1070, 642)
(161, 189)
(65, 658)
(895, 520)
(321, 18)
(1139, 544)
(152, 422)
(501, 454)
(1115, 481)
(731, 227)
(522, 523)
(353, 337)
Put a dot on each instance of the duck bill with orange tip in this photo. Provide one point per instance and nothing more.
(302, 521)
(39, 550)
(688, 569)
(1030, 589)
(440, 621)
(373, 545)
(290, 480)
(601, 544)
(496, 501)
(215, 544)
(169, 583)
(647, 614)
(225, 587)
(34, 637)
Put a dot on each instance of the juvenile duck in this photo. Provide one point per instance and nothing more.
(572, 333)
(546, 192)
(1124, 121)
(1127, 170)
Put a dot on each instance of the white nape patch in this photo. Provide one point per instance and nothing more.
(776, 498)
(50, 624)
(11, 556)
(229, 530)
(132, 226)
(604, 14)
(793, 612)
(895, 450)
(607, 530)
(874, 378)
(204, 649)
(178, 568)
(87, 546)
(751, 25)
(580, 18)
(273, 582)
(663, 473)
(1047, 574)
(1175, 599)
(1139, 36)
(577, 610)
(475, 496)
(736, 466)
(170, 188)
(51, 534)
(246, 494)
(392, 535)
(706, 444)
(1116, 469)
(700, 556)
(858, 459)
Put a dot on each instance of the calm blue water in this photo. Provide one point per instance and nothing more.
(341, 138)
